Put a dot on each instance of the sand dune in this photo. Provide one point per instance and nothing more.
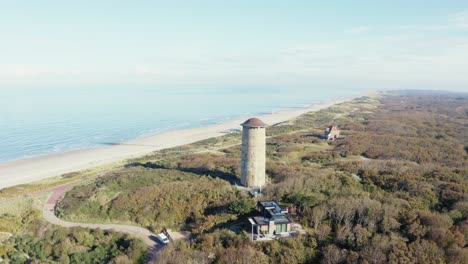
(32, 169)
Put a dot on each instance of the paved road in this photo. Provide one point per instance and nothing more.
(144, 234)
(56, 193)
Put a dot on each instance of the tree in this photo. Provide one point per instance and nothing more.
(301, 200)
(242, 206)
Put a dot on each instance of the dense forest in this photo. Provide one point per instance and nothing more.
(392, 189)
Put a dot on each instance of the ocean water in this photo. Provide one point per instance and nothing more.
(43, 121)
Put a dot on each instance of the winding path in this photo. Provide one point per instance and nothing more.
(144, 234)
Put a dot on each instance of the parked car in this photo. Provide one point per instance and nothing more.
(163, 238)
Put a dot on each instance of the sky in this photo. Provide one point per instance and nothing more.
(330, 44)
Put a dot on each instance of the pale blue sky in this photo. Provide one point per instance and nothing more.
(355, 44)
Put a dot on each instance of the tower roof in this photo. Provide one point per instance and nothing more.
(331, 128)
(254, 122)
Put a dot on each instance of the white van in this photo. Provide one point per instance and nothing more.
(162, 238)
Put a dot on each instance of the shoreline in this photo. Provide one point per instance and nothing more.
(27, 170)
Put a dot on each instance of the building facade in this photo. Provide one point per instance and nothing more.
(273, 220)
(331, 133)
(253, 153)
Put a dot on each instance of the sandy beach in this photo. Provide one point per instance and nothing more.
(32, 169)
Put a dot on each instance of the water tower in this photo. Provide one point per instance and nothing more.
(253, 153)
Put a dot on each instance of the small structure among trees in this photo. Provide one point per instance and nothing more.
(274, 221)
(331, 132)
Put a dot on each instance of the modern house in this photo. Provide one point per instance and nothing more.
(272, 222)
(331, 133)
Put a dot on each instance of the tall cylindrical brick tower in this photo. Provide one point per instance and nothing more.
(253, 153)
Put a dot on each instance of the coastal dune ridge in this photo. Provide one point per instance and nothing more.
(32, 169)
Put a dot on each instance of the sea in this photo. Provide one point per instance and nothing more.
(41, 121)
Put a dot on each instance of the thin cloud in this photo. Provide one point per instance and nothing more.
(398, 53)
(459, 19)
(456, 21)
(35, 71)
(358, 30)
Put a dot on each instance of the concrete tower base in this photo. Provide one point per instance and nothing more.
(253, 153)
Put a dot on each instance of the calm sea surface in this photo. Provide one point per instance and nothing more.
(43, 121)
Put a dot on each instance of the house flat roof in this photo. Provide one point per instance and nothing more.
(273, 212)
(273, 208)
(263, 221)
(282, 220)
(260, 220)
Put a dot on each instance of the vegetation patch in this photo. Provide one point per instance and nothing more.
(32, 240)
(153, 197)
(407, 150)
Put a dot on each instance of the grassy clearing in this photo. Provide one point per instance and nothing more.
(20, 206)
(41, 185)
(15, 214)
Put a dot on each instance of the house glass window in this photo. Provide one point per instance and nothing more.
(281, 228)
